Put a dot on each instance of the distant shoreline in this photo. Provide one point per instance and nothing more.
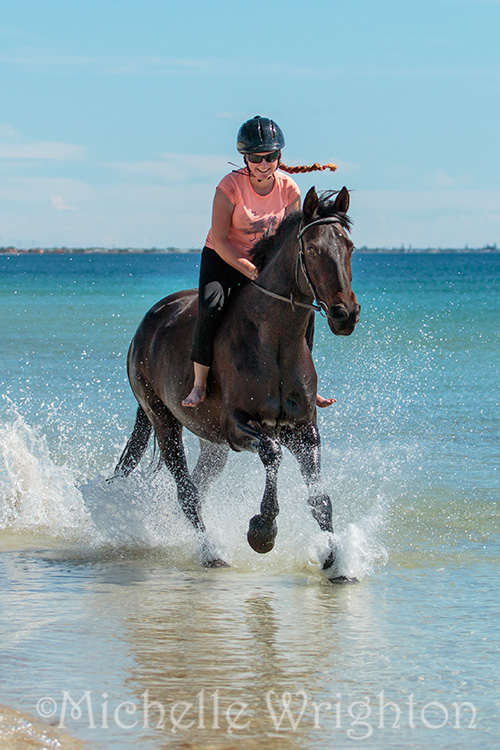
(173, 250)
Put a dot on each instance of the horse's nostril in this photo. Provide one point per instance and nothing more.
(339, 312)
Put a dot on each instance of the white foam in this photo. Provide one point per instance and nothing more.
(36, 493)
(141, 512)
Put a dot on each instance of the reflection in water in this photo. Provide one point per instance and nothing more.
(217, 659)
(226, 655)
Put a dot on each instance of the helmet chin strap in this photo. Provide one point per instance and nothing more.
(256, 178)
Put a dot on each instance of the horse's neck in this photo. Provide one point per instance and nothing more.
(275, 324)
(279, 321)
(280, 272)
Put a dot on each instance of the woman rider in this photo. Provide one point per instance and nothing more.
(248, 203)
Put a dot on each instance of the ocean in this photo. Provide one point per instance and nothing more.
(111, 630)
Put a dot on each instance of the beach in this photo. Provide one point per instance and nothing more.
(114, 633)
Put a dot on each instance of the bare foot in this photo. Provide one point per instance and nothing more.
(324, 402)
(196, 396)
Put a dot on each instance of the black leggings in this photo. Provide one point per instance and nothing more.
(218, 281)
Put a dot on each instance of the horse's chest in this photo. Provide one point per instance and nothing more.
(286, 401)
(271, 387)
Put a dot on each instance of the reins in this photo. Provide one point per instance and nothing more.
(300, 264)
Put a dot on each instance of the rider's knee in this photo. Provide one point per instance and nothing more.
(213, 296)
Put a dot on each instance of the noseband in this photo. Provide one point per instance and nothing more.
(300, 265)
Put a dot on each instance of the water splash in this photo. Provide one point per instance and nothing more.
(36, 493)
(140, 514)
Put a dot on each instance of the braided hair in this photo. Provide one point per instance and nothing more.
(316, 167)
(312, 168)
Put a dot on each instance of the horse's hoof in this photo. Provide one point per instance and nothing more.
(327, 567)
(343, 580)
(217, 563)
(329, 560)
(261, 534)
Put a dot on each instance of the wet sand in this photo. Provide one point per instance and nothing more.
(20, 731)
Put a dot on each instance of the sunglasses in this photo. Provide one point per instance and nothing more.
(257, 158)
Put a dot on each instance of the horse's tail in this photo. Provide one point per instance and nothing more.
(136, 445)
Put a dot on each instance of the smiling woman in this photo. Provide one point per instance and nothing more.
(249, 203)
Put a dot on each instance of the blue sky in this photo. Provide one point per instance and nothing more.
(118, 118)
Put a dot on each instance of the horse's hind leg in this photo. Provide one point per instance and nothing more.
(136, 445)
(168, 431)
(210, 464)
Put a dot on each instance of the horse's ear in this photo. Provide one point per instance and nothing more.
(342, 201)
(310, 204)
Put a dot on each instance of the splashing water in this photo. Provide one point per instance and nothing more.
(140, 513)
(35, 493)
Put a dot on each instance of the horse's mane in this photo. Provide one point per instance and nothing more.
(265, 247)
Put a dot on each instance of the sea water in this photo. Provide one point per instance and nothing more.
(113, 631)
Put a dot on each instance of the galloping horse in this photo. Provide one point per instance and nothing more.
(262, 386)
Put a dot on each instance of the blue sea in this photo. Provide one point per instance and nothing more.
(114, 633)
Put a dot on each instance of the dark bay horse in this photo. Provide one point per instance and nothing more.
(262, 385)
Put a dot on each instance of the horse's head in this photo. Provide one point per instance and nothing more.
(325, 258)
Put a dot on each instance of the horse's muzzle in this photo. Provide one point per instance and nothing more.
(342, 318)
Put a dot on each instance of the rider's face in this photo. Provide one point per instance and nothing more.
(265, 169)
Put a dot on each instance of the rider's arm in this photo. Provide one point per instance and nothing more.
(222, 212)
(293, 206)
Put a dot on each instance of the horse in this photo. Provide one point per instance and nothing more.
(262, 387)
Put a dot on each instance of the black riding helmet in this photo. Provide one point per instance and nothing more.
(258, 135)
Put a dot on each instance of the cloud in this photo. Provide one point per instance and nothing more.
(13, 145)
(41, 61)
(426, 218)
(60, 204)
(8, 133)
(235, 116)
(58, 211)
(440, 179)
(173, 168)
(44, 150)
(33, 213)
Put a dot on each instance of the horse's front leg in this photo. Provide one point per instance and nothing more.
(247, 434)
(262, 529)
(304, 444)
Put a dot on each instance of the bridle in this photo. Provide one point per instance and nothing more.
(300, 266)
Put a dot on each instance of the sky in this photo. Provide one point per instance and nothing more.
(118, 118)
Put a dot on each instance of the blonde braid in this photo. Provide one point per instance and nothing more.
(313, 168)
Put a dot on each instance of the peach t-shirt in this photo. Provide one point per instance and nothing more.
(255, 215)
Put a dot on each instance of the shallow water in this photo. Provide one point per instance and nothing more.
(111, 628)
